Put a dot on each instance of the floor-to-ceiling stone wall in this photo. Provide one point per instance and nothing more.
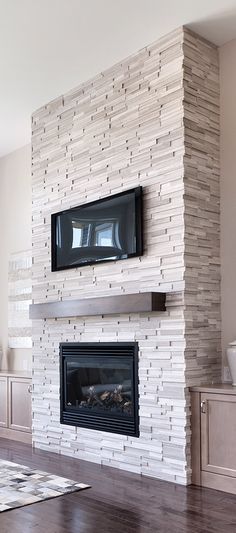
(202, 211)
(122, 129)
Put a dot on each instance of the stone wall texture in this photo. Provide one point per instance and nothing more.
(202, 211)
(152, 120)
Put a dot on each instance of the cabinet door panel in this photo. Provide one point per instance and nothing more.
(218, 433)
(19, 404)
(3, 402)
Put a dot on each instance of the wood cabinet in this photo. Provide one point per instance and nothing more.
(15, 406)
(3, 402)
(214, 437)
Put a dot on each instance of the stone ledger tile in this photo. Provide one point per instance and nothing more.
(151, 120)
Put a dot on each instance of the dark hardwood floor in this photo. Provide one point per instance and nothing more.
(118, 502)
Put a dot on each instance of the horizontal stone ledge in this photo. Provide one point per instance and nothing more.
(144, 302)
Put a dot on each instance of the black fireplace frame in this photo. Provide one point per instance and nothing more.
(123, 425)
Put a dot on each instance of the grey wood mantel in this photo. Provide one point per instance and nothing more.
(144, 302)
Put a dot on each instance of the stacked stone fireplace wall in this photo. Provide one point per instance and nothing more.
(127, 127)
(202, 211)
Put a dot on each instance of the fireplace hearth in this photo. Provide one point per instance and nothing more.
(99, 386)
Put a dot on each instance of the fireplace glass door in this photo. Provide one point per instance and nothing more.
(99, 386)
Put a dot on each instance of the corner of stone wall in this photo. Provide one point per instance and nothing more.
(201, 214)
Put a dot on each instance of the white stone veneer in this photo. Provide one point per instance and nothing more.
(130, 126)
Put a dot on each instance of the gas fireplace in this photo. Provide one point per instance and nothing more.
(99, 386)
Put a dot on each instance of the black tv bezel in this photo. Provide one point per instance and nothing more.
(138, 228)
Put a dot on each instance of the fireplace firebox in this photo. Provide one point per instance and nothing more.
(99, 386)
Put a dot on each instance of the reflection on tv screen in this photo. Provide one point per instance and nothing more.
(108, 229)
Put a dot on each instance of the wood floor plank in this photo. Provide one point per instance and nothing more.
(118, 502)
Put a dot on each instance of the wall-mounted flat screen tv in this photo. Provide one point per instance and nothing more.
(105, 230)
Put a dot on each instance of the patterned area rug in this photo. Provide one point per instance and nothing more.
(19, 486)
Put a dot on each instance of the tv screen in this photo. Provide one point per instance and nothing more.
(105, 230)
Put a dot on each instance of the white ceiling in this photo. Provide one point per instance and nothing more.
(49, 46)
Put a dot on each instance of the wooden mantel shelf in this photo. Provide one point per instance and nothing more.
(144, 302)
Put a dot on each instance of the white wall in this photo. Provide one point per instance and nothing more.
(228, 191)
(15, 235)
